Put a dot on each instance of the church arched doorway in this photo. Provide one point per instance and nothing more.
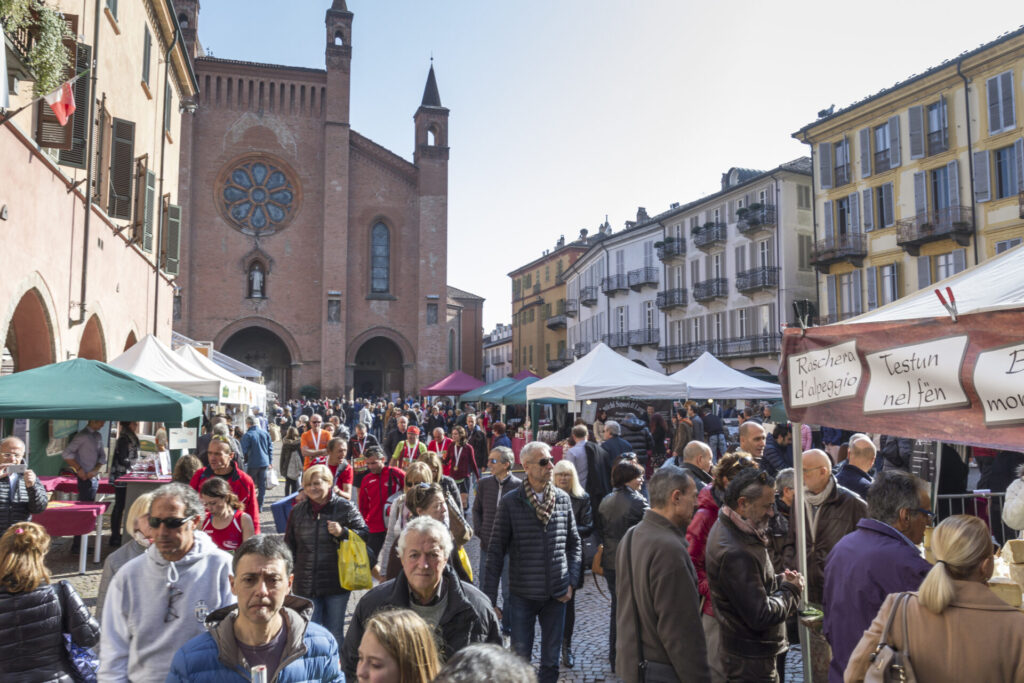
(29, 342)
(378, 370)
(92, 345)
(265, 351)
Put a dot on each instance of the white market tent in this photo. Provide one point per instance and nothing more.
(708, 377)
(151, 359)
(240, 390)
(603, 373)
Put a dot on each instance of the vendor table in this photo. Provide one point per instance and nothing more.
(68, 484)
(72, 518)
(137, 484)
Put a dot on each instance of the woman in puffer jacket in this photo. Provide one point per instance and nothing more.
(33, 611)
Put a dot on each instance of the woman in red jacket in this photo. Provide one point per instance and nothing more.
(459, 461)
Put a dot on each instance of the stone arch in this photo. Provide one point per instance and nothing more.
(131, 340)
(29, 334)
(265, 323)
(407, 349)
(92, 344)
(263, 349)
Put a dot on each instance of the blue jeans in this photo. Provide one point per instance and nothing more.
(87, 489)
(329, 612)
(259, 477)
(506, 627)
(717, 443)
(551, 614)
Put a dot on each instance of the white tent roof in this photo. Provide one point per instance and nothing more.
(993, 285)
(708, 377)
(151, 359)
(602, 373)
(239, 390)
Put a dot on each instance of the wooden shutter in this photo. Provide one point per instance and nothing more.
(122, 168)
(49, 132)
(150, 209)
(869, 209)
(924, 271)
(953, 178)
(101, 142)
(894, 141)
(959, 260)
(982, 188)
(915, 119)
(1018, 162)
(170, 238)
(147, 49)
(848, 161)
(865, 152)
(771, 250)
(825, 165)
(731, 217)
(994, 110)
(896, 284)
(1009, 117)
(830, 287)
(78, 124)
(920, 193)
(168, 100)
(854, 212)
(944, 122)
(740, 259)
(855, 288)
(139, 212)
(889, 201)
(871, 275)
(829, 227)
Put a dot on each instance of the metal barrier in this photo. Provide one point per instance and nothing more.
(983, 504)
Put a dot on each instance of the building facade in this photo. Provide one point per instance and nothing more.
(539, 310)
(90, 210)
(919, 181)
(498, 353)
(312, 252)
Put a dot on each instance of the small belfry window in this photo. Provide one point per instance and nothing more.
(380, 259)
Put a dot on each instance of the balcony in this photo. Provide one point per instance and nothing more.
(572, 307)
(710, 289)
(18, 45)
(564, 360)
(671, 250)
(616, 340)
(643, 277)
(755, 279)
(582, 348)
(708, 236)
(938, 141)
(952, 222)
(757, 345)
(842, 175)
(671, 298)
(588, 296)
(883, 161)
(852, 247)
(754, 220)
(557, 322)
(613, 284)
(644, 337)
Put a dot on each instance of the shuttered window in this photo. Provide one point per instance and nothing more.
(146, 207)
(78, 124)
(112, 6)
(122, 169)
(101, 154)
(915, 117)
(170, 238)
(168, 102)
(1001, 114)
(147, 51)
(49, 133)
(982, 185)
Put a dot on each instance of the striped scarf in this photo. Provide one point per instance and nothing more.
(546, 506)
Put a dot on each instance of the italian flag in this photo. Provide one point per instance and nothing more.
(62, 102)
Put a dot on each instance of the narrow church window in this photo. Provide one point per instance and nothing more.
(380, 259)
(432, 136)
(431, 314)
(183, 20)
(339, 39)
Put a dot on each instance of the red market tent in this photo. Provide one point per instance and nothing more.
(454, 384)
(523, 374)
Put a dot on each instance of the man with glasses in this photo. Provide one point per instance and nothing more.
(223, 465)
(21, 492)
(489, 492)
(878, 558)
(158, 602)
(536, 522)
(313, 443)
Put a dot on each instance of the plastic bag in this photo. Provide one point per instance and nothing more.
(354, 564)
(273, 481)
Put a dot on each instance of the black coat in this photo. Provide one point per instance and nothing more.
(477, 438)
(485, 504)
(315, 550)
(32, 628)
(639, 437)
(467, 619)
(25, 502)
(621, 510)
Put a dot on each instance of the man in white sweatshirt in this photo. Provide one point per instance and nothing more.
(159, 601)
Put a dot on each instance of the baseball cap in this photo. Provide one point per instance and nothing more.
(413, 430)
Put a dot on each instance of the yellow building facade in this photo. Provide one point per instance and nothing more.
(919, 181)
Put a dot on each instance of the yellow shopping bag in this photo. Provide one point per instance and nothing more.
(464, 559)
(354, 564)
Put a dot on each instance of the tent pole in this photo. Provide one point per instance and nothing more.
(935, 482)
(799, 518)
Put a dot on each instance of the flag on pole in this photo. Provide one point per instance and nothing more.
(5, 100)
(62, 102)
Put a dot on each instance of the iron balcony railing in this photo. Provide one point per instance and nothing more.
(842, 175)
(671, 298)
(756, 345)
(709, 235)
(572, 307)
(614, 283)
(883, 160)
(557, 321)
(561, 361)
(952, 222)
(582, 348)
(671, 249)
(757, 278)
(588, 296)
(938, 141)
(644, 337)
(616, 340)
(643, 277)
(851, 246)
(757, 219)
(710, 289)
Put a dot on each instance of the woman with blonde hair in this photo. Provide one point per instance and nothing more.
(387, 565)
(35, 613)
(437, 467)
(398, 646)
(953, 605)
(137, 525)
(568, 479)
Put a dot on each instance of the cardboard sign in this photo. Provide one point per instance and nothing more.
(917, 377)
(824, 375)
(999, 381)
(181, 437)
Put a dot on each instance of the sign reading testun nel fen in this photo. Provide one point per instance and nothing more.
(824, 375)
(999, 381)
(917, 377)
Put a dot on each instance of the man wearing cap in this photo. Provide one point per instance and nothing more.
(408, 450)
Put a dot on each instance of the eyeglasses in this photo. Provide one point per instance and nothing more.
(422, 485)
(927, 513)
(169, 522)
(544, 462)
(494, 461)
(173, 596)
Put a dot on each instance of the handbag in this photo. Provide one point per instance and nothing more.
(595, 566)
(354, 564)
(84, 662)
(294, 469)
(889, 665)
(461, 531)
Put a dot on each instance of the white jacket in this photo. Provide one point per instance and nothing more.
(153, 607)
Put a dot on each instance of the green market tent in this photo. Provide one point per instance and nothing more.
(515, 394)
(83, 389)
(477, 393)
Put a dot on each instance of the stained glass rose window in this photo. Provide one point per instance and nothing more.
(258, 196)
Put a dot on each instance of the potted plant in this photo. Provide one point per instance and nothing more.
(47, 57)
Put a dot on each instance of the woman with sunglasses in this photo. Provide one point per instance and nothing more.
(226, 524)
(621, 510)
(567, 479)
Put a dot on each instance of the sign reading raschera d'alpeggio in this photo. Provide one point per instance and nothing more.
(924, 376)
(824, 375)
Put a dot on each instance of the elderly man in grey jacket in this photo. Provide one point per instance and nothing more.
(489, 491)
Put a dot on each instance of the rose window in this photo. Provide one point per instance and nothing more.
(258, 197)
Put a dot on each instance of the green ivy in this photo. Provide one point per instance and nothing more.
(16, 14)
(48, 58)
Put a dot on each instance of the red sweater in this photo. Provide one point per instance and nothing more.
(241, 484)
(459, 471)
(374, 492)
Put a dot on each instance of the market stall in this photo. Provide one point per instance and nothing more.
(603, 373)
(478, 393)
(708, 377)
(454, 384)
(154, 360)
(235, 389)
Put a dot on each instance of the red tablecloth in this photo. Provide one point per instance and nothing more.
(68, 484)
(69, 518)
(143, 479)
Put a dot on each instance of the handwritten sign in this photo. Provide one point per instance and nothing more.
(999, 381)
(824, 375)
(181, 437)
(917, 377)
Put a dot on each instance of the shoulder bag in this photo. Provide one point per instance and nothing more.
(84, 662)
(889, 665)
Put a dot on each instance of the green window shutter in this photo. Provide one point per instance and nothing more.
(171, 239)
(147, 49)
(49, 132)
(112, 4)
(168, 99)
(122, 169)
(79, 123)
(147, 219)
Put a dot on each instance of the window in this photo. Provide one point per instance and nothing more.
(741, 323)
(938, 131)
(1007, 244)
(888, 291)
(1001, 114)
(622, 319)
(882, 146)
(716, 266)
(846, 294)
(697, 330)
(883, 214)
(842, 216)
(940, 188)
(764, 254)
(805, 243)
(694, 272)
(112, 6)
(431, 314)
(650, 316)
(842, 162)
(147, 48)
(803, 197)
(944, 266)
(531, 355)
(380, 262)
(168, 106)
(1006, 172)
(719, 326)
(547, 273)
(718, 216)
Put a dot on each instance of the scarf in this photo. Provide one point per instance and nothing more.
(743, 525)
(813, 503)
(546, 507)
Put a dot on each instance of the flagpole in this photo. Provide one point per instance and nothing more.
(11, 114)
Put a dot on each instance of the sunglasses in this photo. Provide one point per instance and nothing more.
(169, 522)
(494, 461)
(544, 462)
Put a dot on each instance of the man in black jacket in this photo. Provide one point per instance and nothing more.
(477, 438)
(696, 461)
(536, 529)
(21, 494)
(490, 490)
(459, 612)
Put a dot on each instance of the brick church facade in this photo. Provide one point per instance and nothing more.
(308, 250)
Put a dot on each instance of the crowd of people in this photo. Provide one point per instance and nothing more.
(695, 538)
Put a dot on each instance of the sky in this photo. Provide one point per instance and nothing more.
(567, 111)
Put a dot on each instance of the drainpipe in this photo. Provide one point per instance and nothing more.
(970, 156)
(88, 169)
(814, 231)
(160, 194)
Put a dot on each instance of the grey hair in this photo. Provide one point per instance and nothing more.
(666, 480)
(428, 526)
(613, 427)
(505, 454)
(486, 662)
(785, 479)
(250, 420)
(892, 491)
(220, 429)
(186, 494)
(533, 446)
(266, 546)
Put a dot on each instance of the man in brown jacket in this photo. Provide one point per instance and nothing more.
(655, 562)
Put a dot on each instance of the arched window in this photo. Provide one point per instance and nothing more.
(339, 38)
(183, 20)
(380, 259)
